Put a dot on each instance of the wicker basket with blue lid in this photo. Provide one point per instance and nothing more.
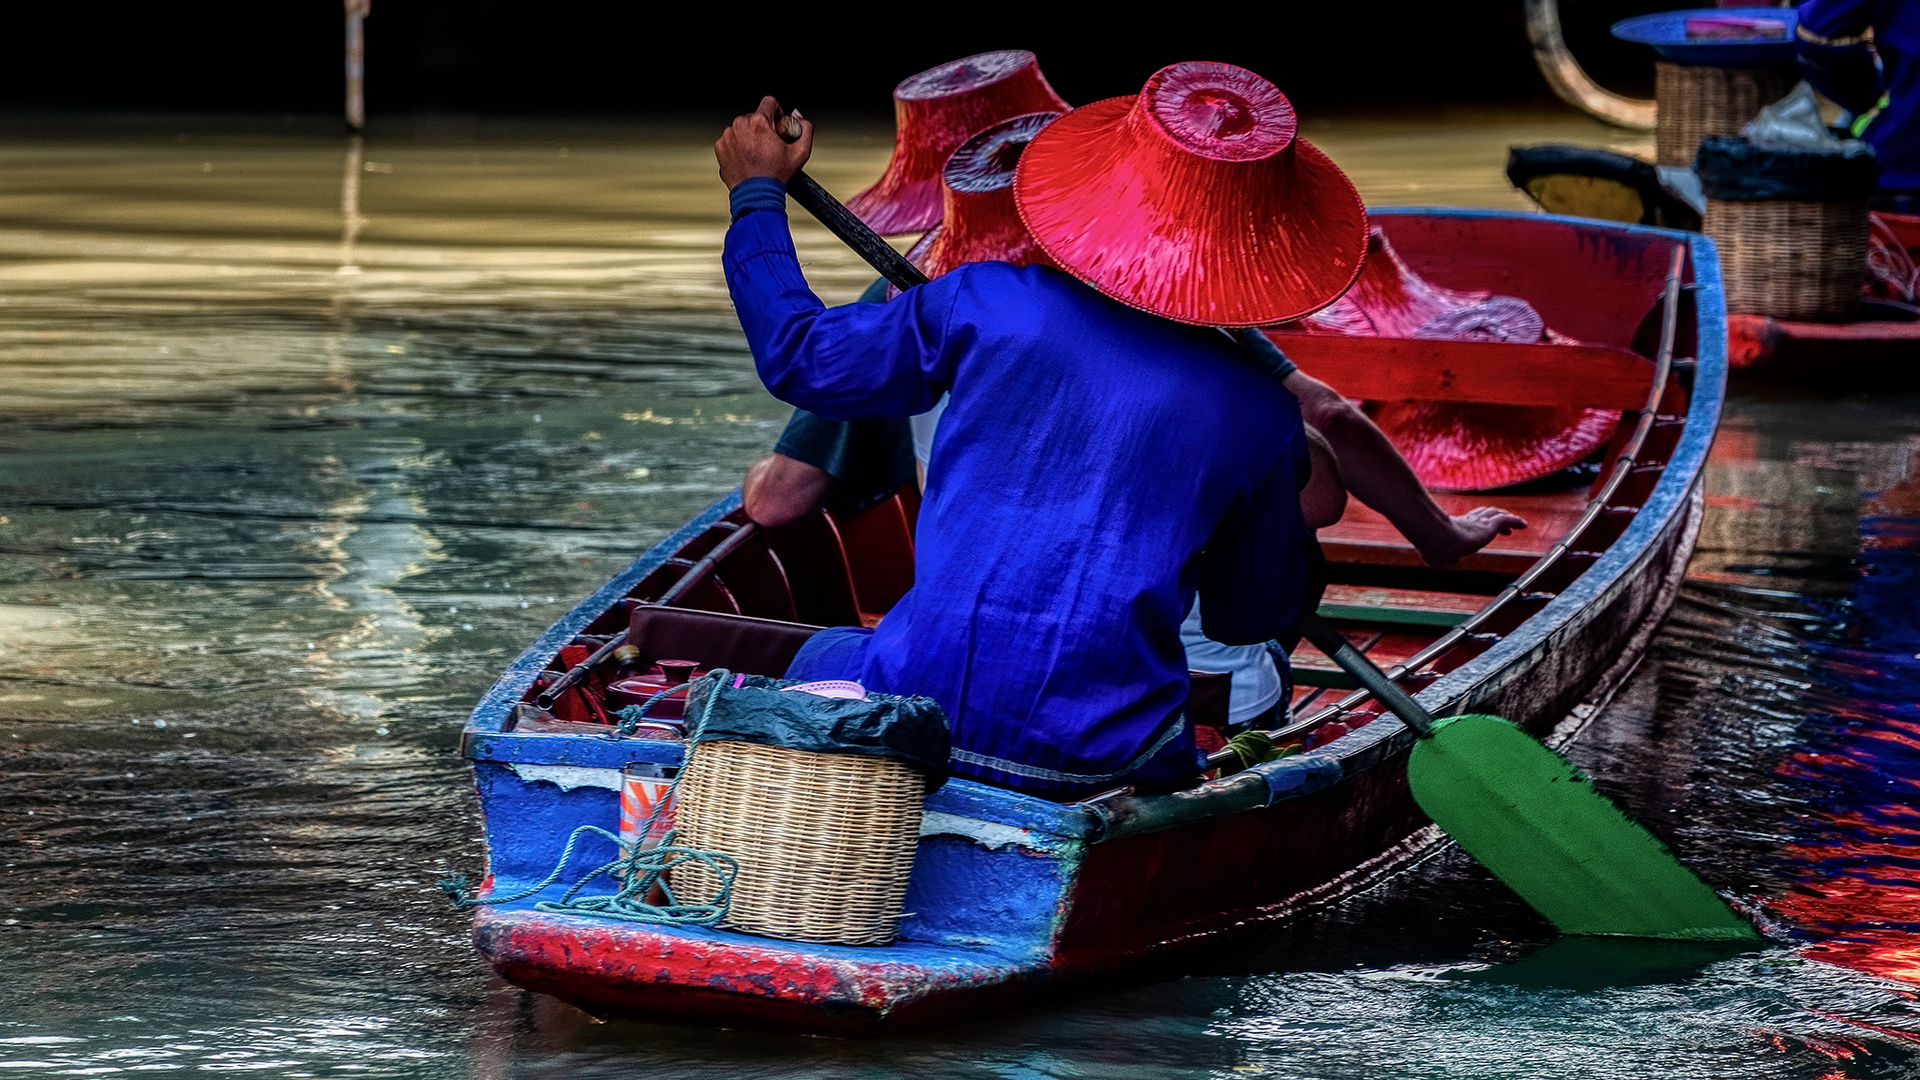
(1717, 68)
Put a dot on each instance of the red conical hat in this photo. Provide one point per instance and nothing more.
(1451, 446)
(979, 222)
(933, 113)
(1388, 299)
(1195, 200)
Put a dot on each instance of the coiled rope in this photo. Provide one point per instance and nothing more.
(638, 869)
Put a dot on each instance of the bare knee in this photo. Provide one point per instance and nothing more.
(1324, 500)
(779, 490)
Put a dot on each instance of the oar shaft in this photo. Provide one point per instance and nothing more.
(1366, 672)
(842, 223)
(866, 243)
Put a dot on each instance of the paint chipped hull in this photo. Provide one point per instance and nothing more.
(1012, 897)
(616, 968)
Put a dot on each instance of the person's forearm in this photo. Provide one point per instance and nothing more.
(778, 491)
(1370, 467)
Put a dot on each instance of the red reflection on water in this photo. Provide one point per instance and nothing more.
(1864, 923)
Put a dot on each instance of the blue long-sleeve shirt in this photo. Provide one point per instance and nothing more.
(1834, 57)
(1095, 467)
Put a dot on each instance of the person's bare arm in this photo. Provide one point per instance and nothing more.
(779, 490)
(1377, 475)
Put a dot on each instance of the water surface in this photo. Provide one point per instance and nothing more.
(301, 441)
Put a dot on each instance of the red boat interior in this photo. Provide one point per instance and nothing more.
(742, 597)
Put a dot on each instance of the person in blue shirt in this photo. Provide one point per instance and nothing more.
(1097, 465)
(1858, 51)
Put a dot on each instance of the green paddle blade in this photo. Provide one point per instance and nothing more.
(1536, 823)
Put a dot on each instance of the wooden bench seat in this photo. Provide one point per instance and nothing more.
(1480, 372)
(1363, 536)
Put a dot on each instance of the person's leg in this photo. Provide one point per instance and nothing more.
(1377, 475)
(838, 652)
(1324, 500)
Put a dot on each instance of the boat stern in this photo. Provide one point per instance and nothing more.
(986, 901)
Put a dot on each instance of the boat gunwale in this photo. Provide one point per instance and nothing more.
(490, 713)
(1519, 650)
(1665, 505)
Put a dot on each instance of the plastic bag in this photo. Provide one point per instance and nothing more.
(726, 707)
(1738, 171)
(1794, 123)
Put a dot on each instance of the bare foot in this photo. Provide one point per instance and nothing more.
(1469, 533)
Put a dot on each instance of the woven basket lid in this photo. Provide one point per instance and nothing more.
(1452, 446)
(979, 222)
(934, 112)
(1195, 200)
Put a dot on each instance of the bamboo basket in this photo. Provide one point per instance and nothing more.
(824, 841)
(1790, 259)
(1695, 102)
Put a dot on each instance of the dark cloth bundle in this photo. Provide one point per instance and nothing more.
(755, 709)
(1735, 170)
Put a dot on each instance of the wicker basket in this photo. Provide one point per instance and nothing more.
(1695, 102)
(824, 841)
(1790, 259)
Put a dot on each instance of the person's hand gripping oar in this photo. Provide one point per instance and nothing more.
(1526, 814)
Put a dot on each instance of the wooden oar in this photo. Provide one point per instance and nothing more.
(1526, 814)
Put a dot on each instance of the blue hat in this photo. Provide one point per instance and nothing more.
(1716, 37)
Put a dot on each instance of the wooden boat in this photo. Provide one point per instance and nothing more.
(1877, 346)
(1013, 896)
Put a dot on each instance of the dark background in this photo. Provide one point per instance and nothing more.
(616, 58)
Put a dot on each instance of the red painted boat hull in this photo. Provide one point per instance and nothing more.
(730, 979)
(1856, 354)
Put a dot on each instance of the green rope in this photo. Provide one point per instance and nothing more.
(1860, 123)
(1251, 748)
(632, 715)
(637, 869)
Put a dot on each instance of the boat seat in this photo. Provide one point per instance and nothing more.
(735, 642)
(1362, 535)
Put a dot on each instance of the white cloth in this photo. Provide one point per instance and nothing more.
(924, 426)
(1256, 683)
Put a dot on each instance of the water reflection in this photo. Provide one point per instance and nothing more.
(267, 529)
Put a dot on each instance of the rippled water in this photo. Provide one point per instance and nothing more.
(300, 442)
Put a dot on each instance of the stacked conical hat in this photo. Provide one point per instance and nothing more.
(979, 222)
(934, 112)
(1452, 446)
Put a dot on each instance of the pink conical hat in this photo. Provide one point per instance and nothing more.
(979, 222)
(934, 112)
(1453, 446)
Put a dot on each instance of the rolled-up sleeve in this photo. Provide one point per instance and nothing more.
(856, 362)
